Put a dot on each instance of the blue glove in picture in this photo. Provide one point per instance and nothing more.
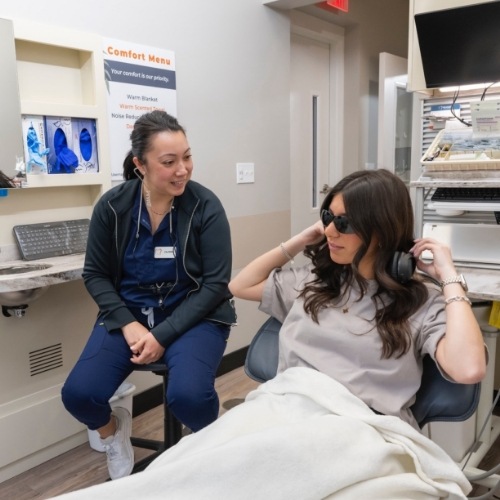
(34, 153)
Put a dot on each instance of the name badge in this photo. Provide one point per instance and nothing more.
(164, 252)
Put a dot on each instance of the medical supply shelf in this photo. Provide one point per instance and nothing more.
(61, 73)
(432, 180)
(485, 281)
(484, 286)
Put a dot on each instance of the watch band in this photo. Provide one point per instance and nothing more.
(455, 279)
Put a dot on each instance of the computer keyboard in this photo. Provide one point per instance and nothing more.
(52, 239)
(446, 199)
(467, 194)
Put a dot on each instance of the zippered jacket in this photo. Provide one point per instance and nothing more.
(205, 243)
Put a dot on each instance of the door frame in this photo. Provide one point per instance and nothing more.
(392, 70)
(332, 35)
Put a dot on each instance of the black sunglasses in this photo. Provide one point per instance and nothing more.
(341, 222)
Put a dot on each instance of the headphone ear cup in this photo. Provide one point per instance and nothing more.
(393, 268)
(402, 266)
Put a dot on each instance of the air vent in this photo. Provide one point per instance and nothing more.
(45, 359)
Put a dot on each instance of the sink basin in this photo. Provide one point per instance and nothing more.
(21, 297)
(22, 268)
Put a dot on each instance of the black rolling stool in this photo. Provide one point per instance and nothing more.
(172, 428)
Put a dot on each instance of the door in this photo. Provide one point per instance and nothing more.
(309, 128)
(395, 116)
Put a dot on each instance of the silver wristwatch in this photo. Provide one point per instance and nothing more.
(455, 279)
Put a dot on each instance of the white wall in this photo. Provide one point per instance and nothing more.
(232, 67)
(232, 61)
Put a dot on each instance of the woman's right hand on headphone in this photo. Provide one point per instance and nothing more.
(441, 266)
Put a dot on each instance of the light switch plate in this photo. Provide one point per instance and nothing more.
(245, 173)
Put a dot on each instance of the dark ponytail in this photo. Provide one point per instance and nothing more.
(130, 171)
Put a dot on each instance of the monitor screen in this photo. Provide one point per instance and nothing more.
(460, 46)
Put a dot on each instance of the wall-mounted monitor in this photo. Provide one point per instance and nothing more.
(460, 46)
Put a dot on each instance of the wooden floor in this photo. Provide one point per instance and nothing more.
(83, 466)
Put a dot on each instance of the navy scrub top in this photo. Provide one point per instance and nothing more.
(153, 274)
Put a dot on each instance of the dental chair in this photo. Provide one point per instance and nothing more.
(437, 399)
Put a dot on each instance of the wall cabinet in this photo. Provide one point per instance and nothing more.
(11, 144)
(60, 73)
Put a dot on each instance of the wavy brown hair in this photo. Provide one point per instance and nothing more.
(378, 205)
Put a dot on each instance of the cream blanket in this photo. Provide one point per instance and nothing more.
(300, 436)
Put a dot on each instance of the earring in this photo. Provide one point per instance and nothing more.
(147, 196)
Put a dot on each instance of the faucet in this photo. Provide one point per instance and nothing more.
(14, 311)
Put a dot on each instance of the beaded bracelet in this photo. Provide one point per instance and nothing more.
(286, 254)
(457, 298)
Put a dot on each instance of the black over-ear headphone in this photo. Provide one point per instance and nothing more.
(402, 266)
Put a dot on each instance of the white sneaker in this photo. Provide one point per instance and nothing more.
(118, 447)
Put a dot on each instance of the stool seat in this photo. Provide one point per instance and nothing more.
(159, 367)
(172, 428)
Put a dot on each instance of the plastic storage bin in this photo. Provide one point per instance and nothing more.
(123, 398)
(462, 150)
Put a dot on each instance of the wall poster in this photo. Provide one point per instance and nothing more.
(139, 79)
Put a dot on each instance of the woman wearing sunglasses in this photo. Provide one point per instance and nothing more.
(350, 314)
(355, 327)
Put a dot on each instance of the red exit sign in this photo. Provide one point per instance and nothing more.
(342, 5)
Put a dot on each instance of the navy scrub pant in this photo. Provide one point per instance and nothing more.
(105, 363)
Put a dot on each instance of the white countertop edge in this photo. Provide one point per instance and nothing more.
(61, 270)
(484, 284)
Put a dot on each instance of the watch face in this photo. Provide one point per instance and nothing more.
(463, 282)
(457, 279)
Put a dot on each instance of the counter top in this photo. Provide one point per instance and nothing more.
(61, 270)
(484, 284)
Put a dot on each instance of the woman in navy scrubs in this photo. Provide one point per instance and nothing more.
(158, 263)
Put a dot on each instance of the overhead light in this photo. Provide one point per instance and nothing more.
(468, 87)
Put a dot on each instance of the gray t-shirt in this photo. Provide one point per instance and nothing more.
(345, 344)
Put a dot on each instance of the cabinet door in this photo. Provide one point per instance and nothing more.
(11, 142)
